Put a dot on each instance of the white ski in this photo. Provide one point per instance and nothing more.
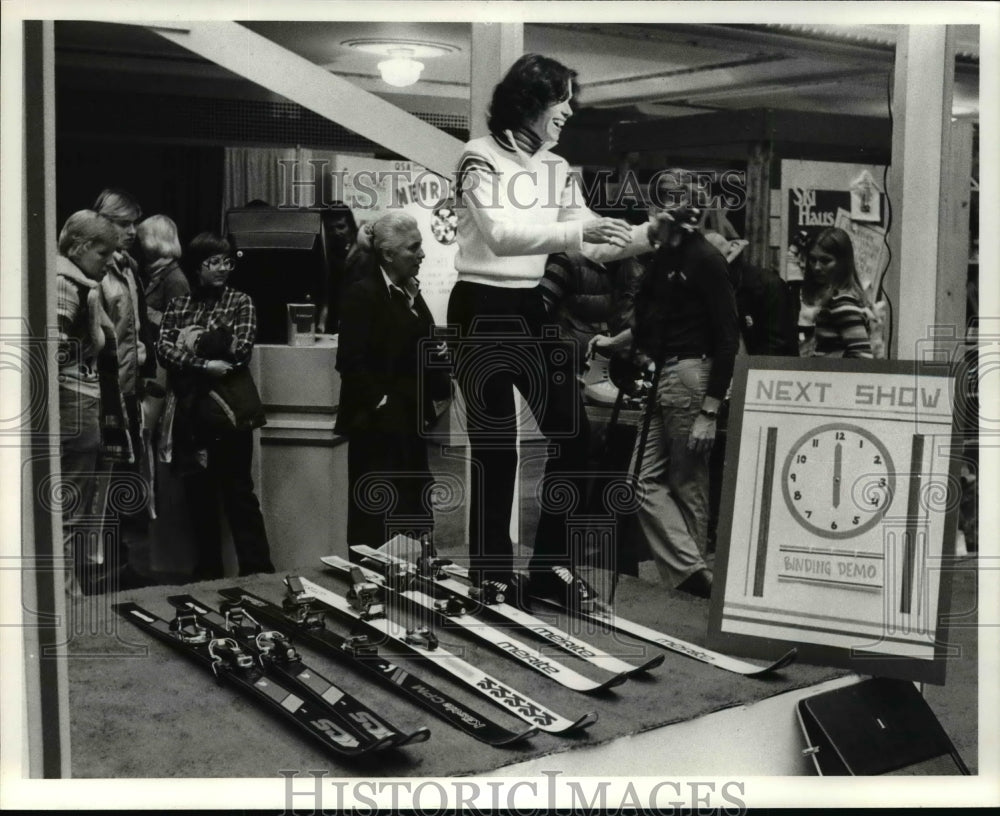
(494, 690)
(543, 629)
(618, 624)
(501, 641)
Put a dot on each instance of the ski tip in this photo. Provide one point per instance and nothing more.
(418, 735)
(652, 663)
(610, 683)
(515, 738)
(783, 661)
(585, 721)
(786, 659)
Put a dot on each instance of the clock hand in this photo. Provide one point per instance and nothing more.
(837, 456)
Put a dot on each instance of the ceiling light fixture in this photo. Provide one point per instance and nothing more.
(403, 67)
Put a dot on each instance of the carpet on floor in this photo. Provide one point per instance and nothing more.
(138, 709)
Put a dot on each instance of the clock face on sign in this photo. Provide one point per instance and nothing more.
(838, 480)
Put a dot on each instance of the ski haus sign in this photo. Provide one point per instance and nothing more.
(839, 512)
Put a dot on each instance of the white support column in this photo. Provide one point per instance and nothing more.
(262, 61)
(922, 101)
(495, 47)
(953, 252)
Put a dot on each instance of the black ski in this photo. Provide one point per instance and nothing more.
(364, 607)
(299, 619)
(400, 584)
(432, 575)
(276, 654)
(230, 664)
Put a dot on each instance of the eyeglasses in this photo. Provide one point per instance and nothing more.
(219, 262)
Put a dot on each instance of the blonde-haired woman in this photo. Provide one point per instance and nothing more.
(162, 281)
(162, 276)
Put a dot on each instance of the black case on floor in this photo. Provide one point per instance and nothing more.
(879, 726)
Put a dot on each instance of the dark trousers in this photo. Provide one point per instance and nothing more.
(128, 495)
(389, 481)
(506, 343)
(227, 477)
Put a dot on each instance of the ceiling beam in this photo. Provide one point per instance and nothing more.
(271, 66)
(862, 133)
(730, 79)
(741, 39)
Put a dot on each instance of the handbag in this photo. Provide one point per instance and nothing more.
(229, 404)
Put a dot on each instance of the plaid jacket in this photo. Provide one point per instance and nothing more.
(232, 309)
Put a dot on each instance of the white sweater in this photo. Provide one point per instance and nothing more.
(514, 210)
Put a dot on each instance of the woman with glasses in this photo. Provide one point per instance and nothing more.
(204, 336)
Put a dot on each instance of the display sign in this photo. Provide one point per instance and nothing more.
(809, 213)
(812, 194)
(839, 514)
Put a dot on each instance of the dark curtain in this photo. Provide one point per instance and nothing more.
(184, 182)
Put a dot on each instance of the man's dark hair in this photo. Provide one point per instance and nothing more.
(532, 84)
(340, 210)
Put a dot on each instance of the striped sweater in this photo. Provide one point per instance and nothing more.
(514, 209)
(842, 328)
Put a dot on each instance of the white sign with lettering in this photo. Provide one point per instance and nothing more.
(838, 508)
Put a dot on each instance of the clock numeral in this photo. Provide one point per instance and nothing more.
(792, 477)
(882, 482)
(797, 495)
(878, 459)
(800, 459)
(875, 501)
(815, 443)
(861, 443)
(856, 520)
(809, 513)
(839, 436)
(833, 525)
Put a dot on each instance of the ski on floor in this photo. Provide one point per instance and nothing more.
(366, 609)
(275, 653)
(299, 618)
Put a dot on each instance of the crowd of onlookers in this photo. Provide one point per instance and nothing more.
(147, 330)
(149, 337)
